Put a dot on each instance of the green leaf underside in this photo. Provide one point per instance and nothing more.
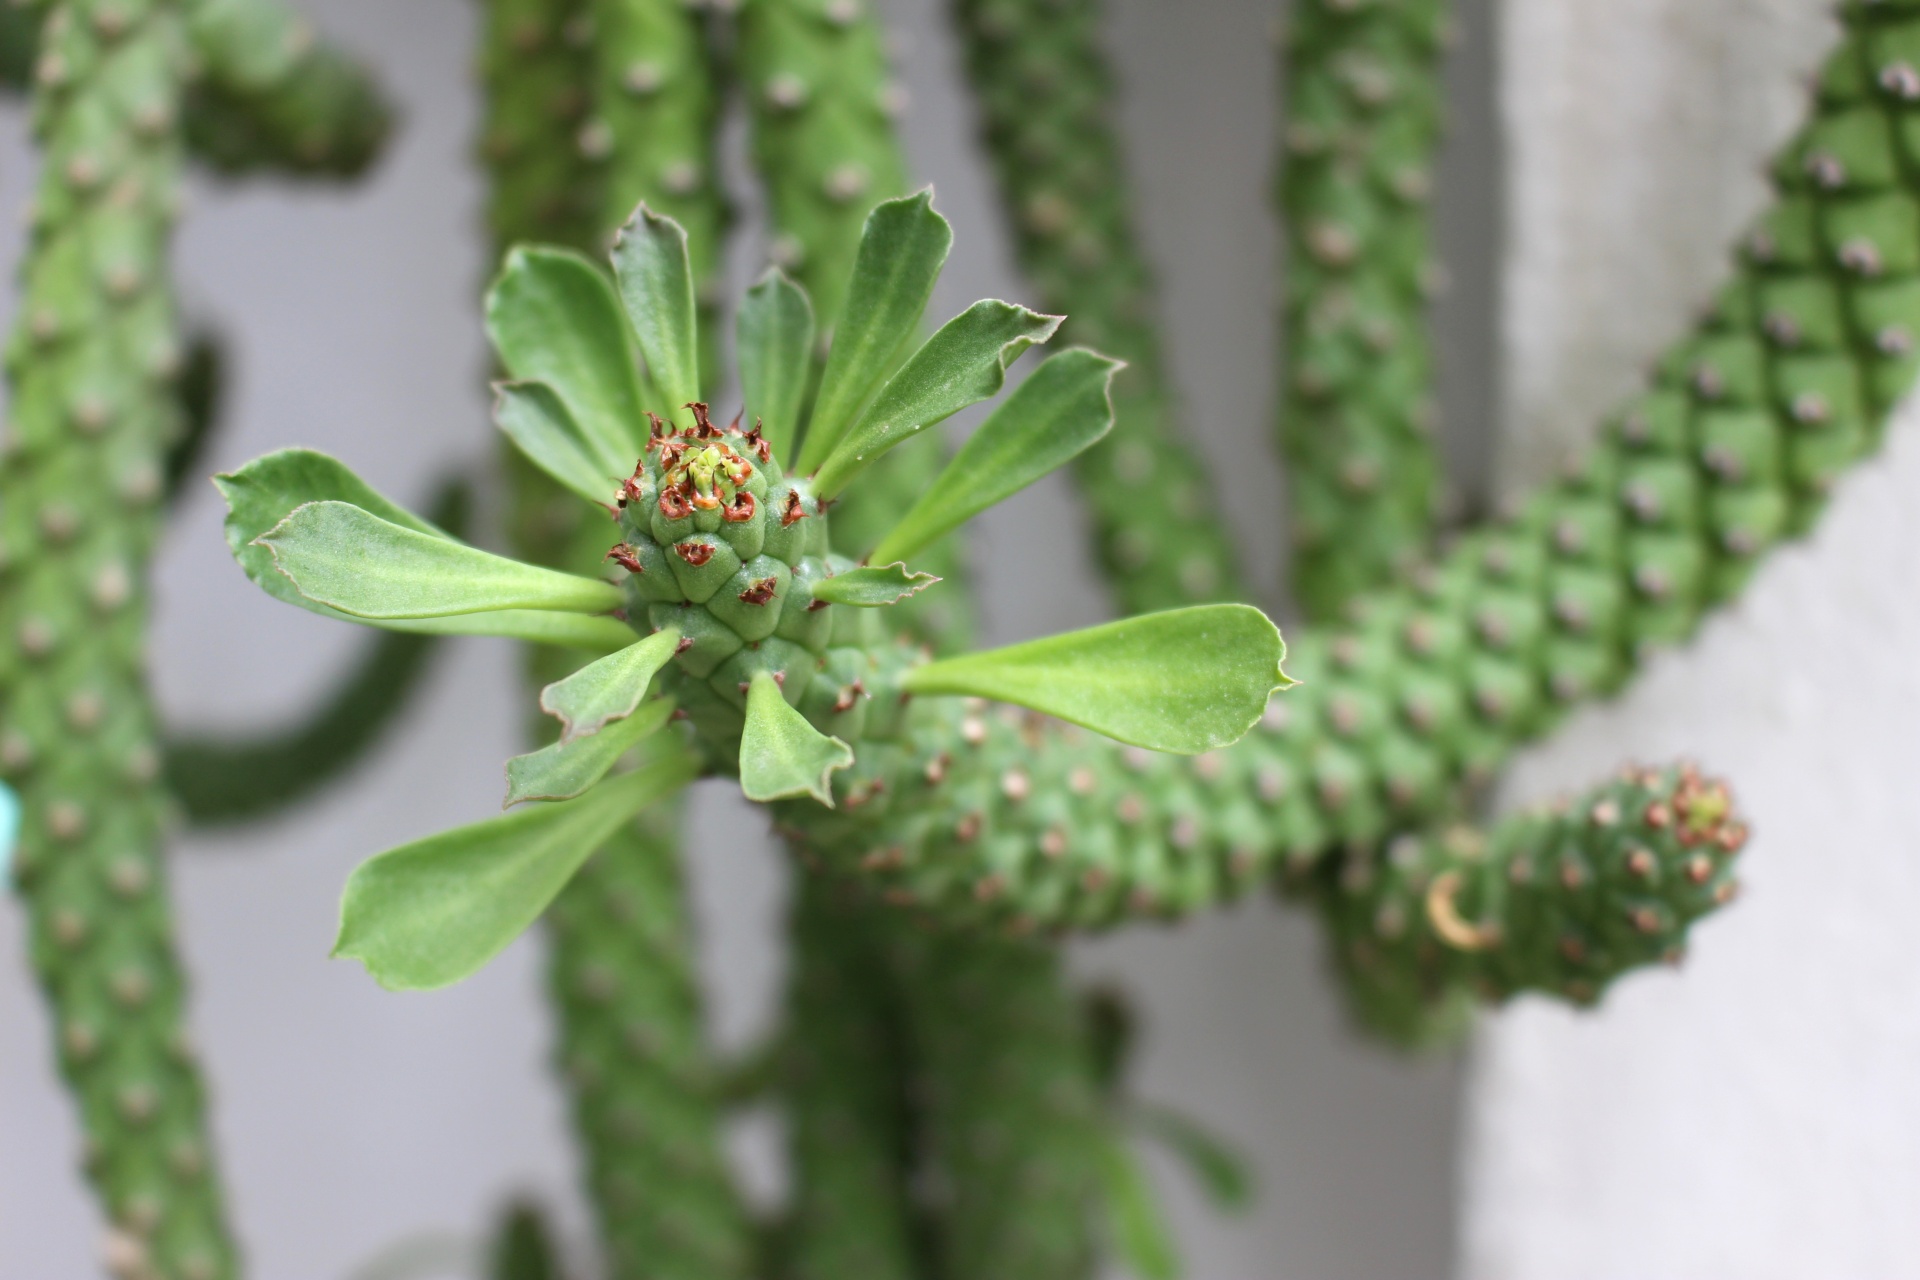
(781, 755)
(871, 588)
(1221, 1172)
(773, 342)
(1183, 681)
(902, 249)
(553, 317)
(1139, 1236)
(964, 363)
(609, 689)
(430, 913)
(564, 769)
(349, 559)
(535, 418)
(1063, 407)
(656, 288)
(265, 491)
(597, 635)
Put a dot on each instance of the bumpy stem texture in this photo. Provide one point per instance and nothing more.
(633, 1051)
(91, 364)
(1011, 1115)
(846, 1085)
(1355, 180)
(1046, 99)
(1743, 431)
(642, 1080)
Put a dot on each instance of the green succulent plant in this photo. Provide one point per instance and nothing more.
(767, 644)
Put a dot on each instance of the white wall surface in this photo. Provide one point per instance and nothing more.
(351, 1119)
(1754, 1116)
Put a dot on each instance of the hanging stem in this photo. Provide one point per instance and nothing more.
(91, 364)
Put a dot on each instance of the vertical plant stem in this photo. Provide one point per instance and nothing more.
(1046, 100)
(1357, 421)
(823, 104)
(633, 1052)
(846, 1084)
(91, 365)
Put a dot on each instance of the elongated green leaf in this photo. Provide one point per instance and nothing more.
(1221, 1171)
(430, 913)
(554, 318)
(563, 770)
(1184, 681)
(537, 626)
(608, 689)
(535, 418)
(872, 588)
(902, 249)
(265, 491)
(773, 339)
(1141, 1242)
(351, 560)
(1063, 407)
(963, 364)
(781, 754)
(656, 287)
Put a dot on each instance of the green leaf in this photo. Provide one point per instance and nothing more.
(871, 588)
(781, 754)
(1141, 1242)
(1062, 408)
(564, 769)
(1221, 1171)
(1184, 681)
(536, 626)
(265, 491)
(535, 418)
(902, 249)
(773, 341)
(554, 318)
(608, 689)
(656, 287)
(963, 364)
(349, 559)
(430, 913)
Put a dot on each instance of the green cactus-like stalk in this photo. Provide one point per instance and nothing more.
(824, 107)
(268, 96)
(273, 97)
(641, 1080)
(1744, 429)
(91, 365)
(1562, 900)
(1355, 182)
(1012, 1119)
(1046, 101)
(657, 105)
(641, 1076)
(845, 1084)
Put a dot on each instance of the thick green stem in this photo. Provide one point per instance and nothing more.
(276, 99)
(1046, 100)
(823, 104)
(1355, 183)
(852, 1131)
(1749, 421)
(642, 1080)
(91, 365)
